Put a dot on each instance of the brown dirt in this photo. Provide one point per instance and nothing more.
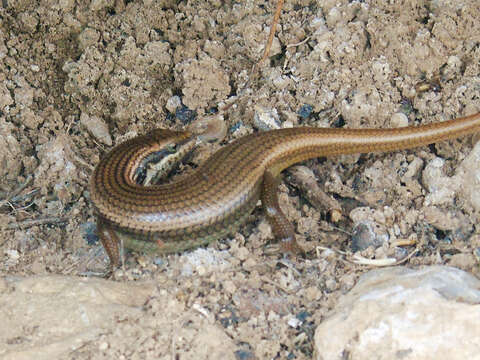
(355, 63)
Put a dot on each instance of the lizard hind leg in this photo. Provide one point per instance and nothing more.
(110, 242)
(281, 227)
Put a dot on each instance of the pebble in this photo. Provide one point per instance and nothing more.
(266, 119)
(97, 128)
(294, 322)
(399, 120)
(305, 111)
(441, 188)
(173, 103)
(468, 175)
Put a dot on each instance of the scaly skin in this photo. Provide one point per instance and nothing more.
(220, 194)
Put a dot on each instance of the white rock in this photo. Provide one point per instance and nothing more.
(418, 314)
(97, 128)
(294, 322)
(442, 188)
(469, 174)
(23, 96)
(266, 118)
(399, 120)
(173, 103)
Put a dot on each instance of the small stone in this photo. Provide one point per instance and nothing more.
(13, 254)
(158, 52)
(335, 215)
(66, 5)
(333, 16)
(215, 49)
(249, 264)
(97, 128)
(103, 346)
(11, 153)
(242, 253)
(294, 322)
(23, 96)
(454, 62)
(442, 189)
(446, 220)
(244, 355)
(201, 270)
(30, 119)
(159, 261)
(229, 286)
(305, 111)
(173, 103)
(468, 173)
(209, 128)
(266, 119)
(364, 236)
(96, 5)
(203, 261)
(29, 21)
(89, 230)
(399, 120)
(88, 37)
(313, 293)
(5, 98)
(413, 168)
(3, 48)
(236, 126)
(369, 229)
(205, 82)
(331, 284)
(142, 261)
(476, 253)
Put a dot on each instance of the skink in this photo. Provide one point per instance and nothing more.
(220, 194)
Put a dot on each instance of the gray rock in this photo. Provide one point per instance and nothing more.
(398, 313)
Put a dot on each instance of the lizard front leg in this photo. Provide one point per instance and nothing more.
(281, 227)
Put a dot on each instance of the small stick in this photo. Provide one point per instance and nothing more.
(299, 43)
(272, 31)
(266, 52)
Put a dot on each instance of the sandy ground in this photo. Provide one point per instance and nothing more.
(66, 64)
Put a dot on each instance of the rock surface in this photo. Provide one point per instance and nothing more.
(56, 317)
(399, 313)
